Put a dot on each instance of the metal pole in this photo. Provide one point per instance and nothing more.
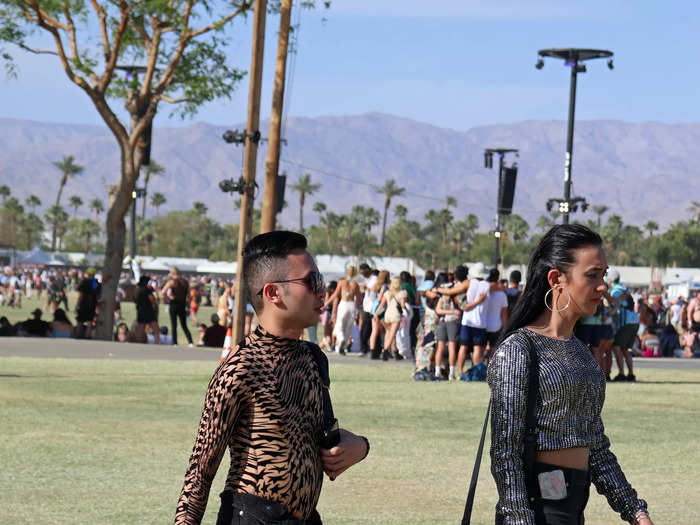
(570, 141)
(251, 152)
(133, 223)
(272, 162)
(497, 255)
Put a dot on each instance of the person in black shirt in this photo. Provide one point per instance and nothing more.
(176, 290)
(36, 327)
(146, 309)
(215, 334)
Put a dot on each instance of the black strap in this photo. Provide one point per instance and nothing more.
(475, 472)
(530, 448)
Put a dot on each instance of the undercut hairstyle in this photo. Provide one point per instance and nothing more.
(264, 260)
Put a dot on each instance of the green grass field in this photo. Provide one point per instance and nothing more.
(88, 441)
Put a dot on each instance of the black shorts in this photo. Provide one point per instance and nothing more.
(447, 331)
(492, 338)
(472, 336)
(624, 338)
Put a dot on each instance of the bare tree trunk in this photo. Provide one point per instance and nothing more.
(119, 202)
(301, 213)
(58, 201)
(387, 202)
(145, 195)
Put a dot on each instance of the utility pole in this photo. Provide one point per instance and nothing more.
(573, 58)
(251, 154)
(501, 209)
(272, 161)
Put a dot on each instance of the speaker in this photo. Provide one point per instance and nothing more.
(280, 183)
(505, 206)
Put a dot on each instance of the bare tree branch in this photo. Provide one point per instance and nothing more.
(170, 100)
(221, 22)
(71, 33)
(102, 17)
(189, 35)
(37, 51)
(47, 19)
(153, 49)
(114, 54)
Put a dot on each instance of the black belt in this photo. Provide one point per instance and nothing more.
(256, 510)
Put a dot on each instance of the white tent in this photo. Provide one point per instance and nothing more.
(36, 256)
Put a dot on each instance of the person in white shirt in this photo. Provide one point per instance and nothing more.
(369, 297)
(496, 310)
(473, 332)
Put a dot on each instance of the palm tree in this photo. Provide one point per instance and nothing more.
(150, 169)
(450, 202)
(68, 168)
(5, 192)
(75, 203)
(400, 212)
(88, 228)
(446, 219)
(463, 232)
(651, 227)
(97, 207)
(600, 211)
(199, 208)
(390, 190)
(157, 200)
(304, 187)
(32, 202)
(13, 210)
(694, 209)
(32, 226)
(57, 217)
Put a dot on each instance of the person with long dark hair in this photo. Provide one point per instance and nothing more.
(565, 281)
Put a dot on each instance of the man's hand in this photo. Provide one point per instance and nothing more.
(350, 450)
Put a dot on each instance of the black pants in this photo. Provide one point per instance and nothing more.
(365, 332)
(415, 321)
(244, 509)
(566, 511)
(177, 311)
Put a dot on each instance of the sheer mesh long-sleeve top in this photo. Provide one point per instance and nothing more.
(570, 400)
(265, 404)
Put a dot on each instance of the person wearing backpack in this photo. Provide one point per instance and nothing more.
(626, 323)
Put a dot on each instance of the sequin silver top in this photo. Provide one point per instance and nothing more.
(572, 392)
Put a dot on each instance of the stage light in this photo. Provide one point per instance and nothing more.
(540, 64)
(611, 66)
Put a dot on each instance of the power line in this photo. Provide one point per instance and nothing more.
(293, 50)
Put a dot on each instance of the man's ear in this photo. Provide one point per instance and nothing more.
(271, 293)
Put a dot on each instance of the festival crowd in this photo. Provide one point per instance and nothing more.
(447, 324)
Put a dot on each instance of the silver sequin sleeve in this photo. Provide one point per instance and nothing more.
(508, 378)
(609, 480)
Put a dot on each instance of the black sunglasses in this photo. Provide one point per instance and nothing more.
(313, 281)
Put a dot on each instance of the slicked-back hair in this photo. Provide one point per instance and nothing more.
(264, 260)
(554, 251)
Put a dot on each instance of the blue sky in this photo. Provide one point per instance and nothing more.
(463, 63)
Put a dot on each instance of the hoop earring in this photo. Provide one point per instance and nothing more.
(559, 309)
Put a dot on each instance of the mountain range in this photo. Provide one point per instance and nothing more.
(641, 171)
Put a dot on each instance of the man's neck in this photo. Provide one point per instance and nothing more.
(276, 328)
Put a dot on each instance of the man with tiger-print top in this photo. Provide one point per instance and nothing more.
(265, 402)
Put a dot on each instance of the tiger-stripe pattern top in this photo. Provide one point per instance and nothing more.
(264, 403)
